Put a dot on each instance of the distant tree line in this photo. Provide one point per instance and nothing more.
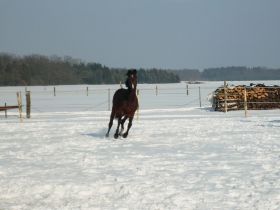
(188, 74)
(229, 74)
(54, 70)
(43, 70)
(240, 73)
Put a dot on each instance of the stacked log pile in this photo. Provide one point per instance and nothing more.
(258, 97)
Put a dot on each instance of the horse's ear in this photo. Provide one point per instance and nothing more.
(134, 71)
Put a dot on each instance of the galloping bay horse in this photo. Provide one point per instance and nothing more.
(125, 103)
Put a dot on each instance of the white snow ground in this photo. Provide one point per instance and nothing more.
(175, 158)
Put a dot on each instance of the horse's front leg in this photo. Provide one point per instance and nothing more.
(128, 127)
(122, 124)
(117, 131)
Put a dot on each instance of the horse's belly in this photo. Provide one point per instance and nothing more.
(128, 111)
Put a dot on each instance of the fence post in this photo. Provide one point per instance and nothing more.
(138, 97)
(87, 91)
(156, 90)
(109, 99)
(54, 91)
(19, 100)
(226, 97)
(28, 104)
(199, 96)
(6, 115)
(121, 84)
(187, 87)
(245, 102)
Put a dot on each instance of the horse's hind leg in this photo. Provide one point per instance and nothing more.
(117, 131)
(128, 127)
(110, 123)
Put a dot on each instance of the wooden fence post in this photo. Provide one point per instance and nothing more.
(19, 100)
(138, 97)
(199, 96)
(245, 102)
(6, 115)
(28, 104)
(187, 87)
(87, 91)
(54, 91)
(109, 99)
(156, 90)
(226, 97)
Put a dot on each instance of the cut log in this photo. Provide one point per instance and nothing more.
(258, 97)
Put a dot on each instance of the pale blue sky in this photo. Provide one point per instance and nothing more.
(145, 33)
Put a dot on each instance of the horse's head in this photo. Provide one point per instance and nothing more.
(133, 78)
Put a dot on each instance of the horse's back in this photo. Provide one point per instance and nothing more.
(120, 95)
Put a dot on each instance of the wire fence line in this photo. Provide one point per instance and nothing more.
(56, 99)
(99, 98)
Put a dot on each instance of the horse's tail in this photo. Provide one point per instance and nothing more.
(113, 113)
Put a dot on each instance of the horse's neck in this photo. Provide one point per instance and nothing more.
(133, 93)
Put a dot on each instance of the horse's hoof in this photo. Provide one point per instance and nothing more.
(107, 135)
(124, 135)
(116, 136)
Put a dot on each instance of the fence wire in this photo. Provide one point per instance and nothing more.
(99, 98)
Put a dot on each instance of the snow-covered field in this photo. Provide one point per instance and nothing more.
(177, 155)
